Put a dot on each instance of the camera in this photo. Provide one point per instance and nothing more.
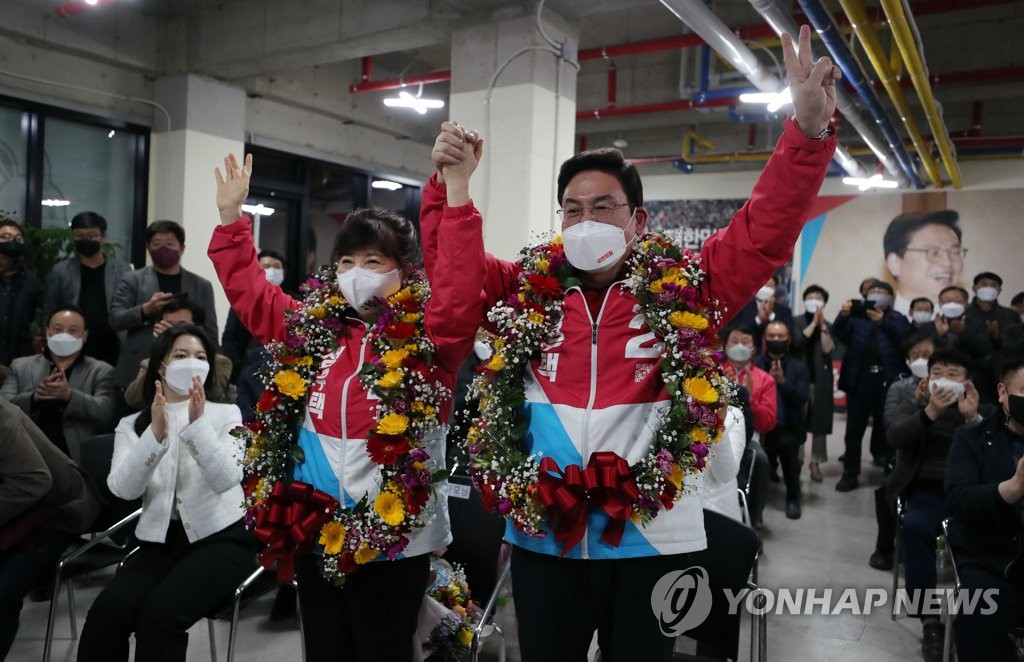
(860, 308)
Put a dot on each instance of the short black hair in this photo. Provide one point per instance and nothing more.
(266, 252)
(608, 160)
(948, 288)
(816, 289)
(87, 220)
(1011, 365)
(69, 308)
(198, 312)
(919, 300)
(10, 222)
(165, 226)
(988, 275)
(902, 228)
(391, 233)
(950, 356)
(866, 284)
(1017, 299)
(914, 339)
(742, 328)
(881, 285)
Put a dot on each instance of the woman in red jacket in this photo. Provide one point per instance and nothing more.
(363, 370)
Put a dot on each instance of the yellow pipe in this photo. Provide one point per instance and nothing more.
(900, 25)
(866, 33)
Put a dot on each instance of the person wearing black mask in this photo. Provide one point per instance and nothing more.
(984, 491)
(792, 388)
(88, 279)
(19, 294)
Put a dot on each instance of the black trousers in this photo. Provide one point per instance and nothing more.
(985, 638)
(560, 602)
(163, 591)
(866, 400)
(781, 450)
(21, 568)
(372, 618)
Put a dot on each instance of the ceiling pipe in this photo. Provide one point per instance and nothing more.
(366, 69)
(718, 36)
(78, 6)
(781, 20)
(398, 83)
(900, 22)
(890, 80)
(829, 33)
(613, 85)
(647, 108)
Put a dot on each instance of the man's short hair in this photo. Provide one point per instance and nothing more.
(816, 289)
(266, 252)
(11, 223)
(608, 160)
(950, 356)
(913, 340)
(88, 220)
(157, 227)
(741, 328)
(988, 275)
(1011, 366)
(957, 288)
(866, 284)
(198, 312)
(69, 308)
(924, 300)
(902, 228)
(1017, 299)
(881, 285)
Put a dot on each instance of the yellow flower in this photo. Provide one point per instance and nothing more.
(334, 300)
(522, 298)
(676, 477)
(393, 358)
(701, 390)
(681, 319)
(557, 241)
(402, 295)
(496, 363)
(390, 509)
(303, 361)
(332, 536)
(465, 637)
(411, 318)
(318, 312)
(542, 265)
(699, 435)
(658, 286)
(391, 379)
(289, 383)
(536, 317)
(365, 554)
(253, 452)
(393, 423)
(261, 491)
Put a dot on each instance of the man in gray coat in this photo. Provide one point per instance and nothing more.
(70, 396)
(88, 279)
(143, 293)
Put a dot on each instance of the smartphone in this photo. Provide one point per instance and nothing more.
(860, 307)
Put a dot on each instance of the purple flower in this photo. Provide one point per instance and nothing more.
(314, 283)
(409, 480)
(699, 448)
(293, 341)
(396, 549)
(664, 460)
(419, 455)
(333, 323)
(504, 506)
(699, 462)
(400, 406)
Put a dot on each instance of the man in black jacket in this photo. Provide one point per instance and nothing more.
(792, 386)
(984, 488)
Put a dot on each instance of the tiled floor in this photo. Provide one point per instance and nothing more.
(828, 547)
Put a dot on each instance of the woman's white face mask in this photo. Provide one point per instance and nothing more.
(594, 246)
(178, 374)
(360, 286)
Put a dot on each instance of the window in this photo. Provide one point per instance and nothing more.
(13, 166)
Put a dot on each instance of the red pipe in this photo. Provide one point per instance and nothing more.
(73, 7)
(1003, 141)
(643, 109)
(398, 83)
(752, 136)
(613, 78)
(367, 69)
(583, 142)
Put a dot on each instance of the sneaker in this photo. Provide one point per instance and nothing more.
(793, 509)
(932, 641)
(881, 560)
(847, 483)
(816, 472)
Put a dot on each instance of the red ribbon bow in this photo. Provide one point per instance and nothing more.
(294, 513)
(606, 481)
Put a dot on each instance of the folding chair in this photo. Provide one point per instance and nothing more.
(104, 549)
(901, 511)
(477, 545)
(743, 494)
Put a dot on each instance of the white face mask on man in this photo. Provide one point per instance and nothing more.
(359, 286)
(63, 344)
(956, 387)
(987, 294)
(813, 305)
(594, 246)
(922, 316)
(178, 374)
(275, 276)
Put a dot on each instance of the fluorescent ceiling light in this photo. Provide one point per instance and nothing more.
(386, 184)
(620, 143)
(874, 181)
(419, 104)
(52, 202)
(259, 210)
(111, 134)
(91, 2)
(773, 100)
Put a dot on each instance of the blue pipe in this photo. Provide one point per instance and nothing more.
(705, 74)
(988, 151)
(726, 92)
(683, 166)
(752, 117)
(855, 76)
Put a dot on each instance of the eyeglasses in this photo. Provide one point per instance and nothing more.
(934, 253)
(602, 212)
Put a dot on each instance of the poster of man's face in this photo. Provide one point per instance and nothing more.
(924, 254)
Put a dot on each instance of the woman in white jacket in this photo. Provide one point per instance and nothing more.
(180, 457)
(723, 462)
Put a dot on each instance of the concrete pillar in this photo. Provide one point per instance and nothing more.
(529, 122)
(207, 122)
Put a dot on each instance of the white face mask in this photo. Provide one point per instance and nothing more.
(951, 310)
(274, 275)
(595, 247)
(178, 374)
(482, 350)
(918, 368)
(739, 353)
(948, 384)
(921, 316)
(813, 305)
(987, 294)
(63, 344)
(360, 285)
(766, 292)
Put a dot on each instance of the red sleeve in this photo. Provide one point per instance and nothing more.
(259, 304)
(760, 237)
(763, 400)
(431, 206)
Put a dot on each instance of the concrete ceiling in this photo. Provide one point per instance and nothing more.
(307, 52)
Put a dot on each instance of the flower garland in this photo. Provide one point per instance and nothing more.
(666, 282)
(408, 403)
(450, 640)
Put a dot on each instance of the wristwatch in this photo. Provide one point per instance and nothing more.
(827, 131)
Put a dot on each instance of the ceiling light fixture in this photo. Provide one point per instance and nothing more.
(417, 103)
(259, 210)
(620, 143)
(54, 202)
(773, 100)
(386, 184)
(874, 181)
(92, 2)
